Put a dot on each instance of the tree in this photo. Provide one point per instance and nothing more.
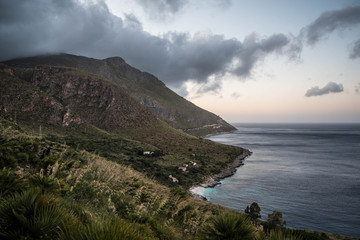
(253, 212)
(275, 220)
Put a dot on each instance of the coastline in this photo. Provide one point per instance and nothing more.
(212, 181)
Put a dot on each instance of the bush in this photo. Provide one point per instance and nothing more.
(84, 190)
(229, 226)
(280, 235)
(179, 192)
(107, 229)
(45, 183)
(10, 182)
(274, 221)
(30, 215)
(17, 150)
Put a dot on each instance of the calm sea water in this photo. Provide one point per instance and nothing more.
(309, 172)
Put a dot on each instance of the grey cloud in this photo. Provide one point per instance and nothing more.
(161, 9)
(272, 43)
(165, 9)
(253, 50)
(331, 87)
(330, 21)
(131, 21)
(51, 26)
(355, 50)
(212, 87)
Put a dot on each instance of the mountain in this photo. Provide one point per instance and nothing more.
(89, 112)
(143, 87)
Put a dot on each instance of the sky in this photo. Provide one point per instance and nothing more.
(247, 61)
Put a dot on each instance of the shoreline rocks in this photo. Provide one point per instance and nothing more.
(228, 171)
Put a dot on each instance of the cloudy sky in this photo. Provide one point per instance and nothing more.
(247, 61)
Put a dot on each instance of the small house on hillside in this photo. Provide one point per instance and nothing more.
(173, 179)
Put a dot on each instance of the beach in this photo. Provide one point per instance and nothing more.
(230, 169)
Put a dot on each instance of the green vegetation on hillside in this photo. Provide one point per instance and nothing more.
(74, 194)
(70, 193)
(80, 159)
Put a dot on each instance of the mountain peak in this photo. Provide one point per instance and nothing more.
(115, 60)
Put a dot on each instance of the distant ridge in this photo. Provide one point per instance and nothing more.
(143, 87)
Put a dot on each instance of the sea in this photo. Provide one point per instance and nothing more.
(309, 172)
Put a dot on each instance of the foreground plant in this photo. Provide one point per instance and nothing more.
(106, 229)
(30, 215)
(229, 226)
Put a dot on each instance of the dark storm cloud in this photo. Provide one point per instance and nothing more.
(52, 26)
(330, 21)
(331, 87)
(204, 55)
(42, 26)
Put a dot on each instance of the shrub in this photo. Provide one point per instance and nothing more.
(107, 229)
(45, 183)
(22, 157)
(229, 226)
(124, 205)
(280, 235)
(29, 215)
(10, 182)
(84, 190)
(179, 192)
(274, 221)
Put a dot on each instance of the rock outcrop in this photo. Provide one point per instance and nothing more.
(67, 96)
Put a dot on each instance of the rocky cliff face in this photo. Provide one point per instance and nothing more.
(21, 100)
(67, 96)
(141, 86)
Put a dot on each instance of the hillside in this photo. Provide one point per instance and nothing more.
(54, 190)
(91, 113)
(143, 87)
(81, 159)
(74, 194)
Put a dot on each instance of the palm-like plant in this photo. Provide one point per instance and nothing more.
(29, 215)
(229, 226)
(10, 182)
(45, 183)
